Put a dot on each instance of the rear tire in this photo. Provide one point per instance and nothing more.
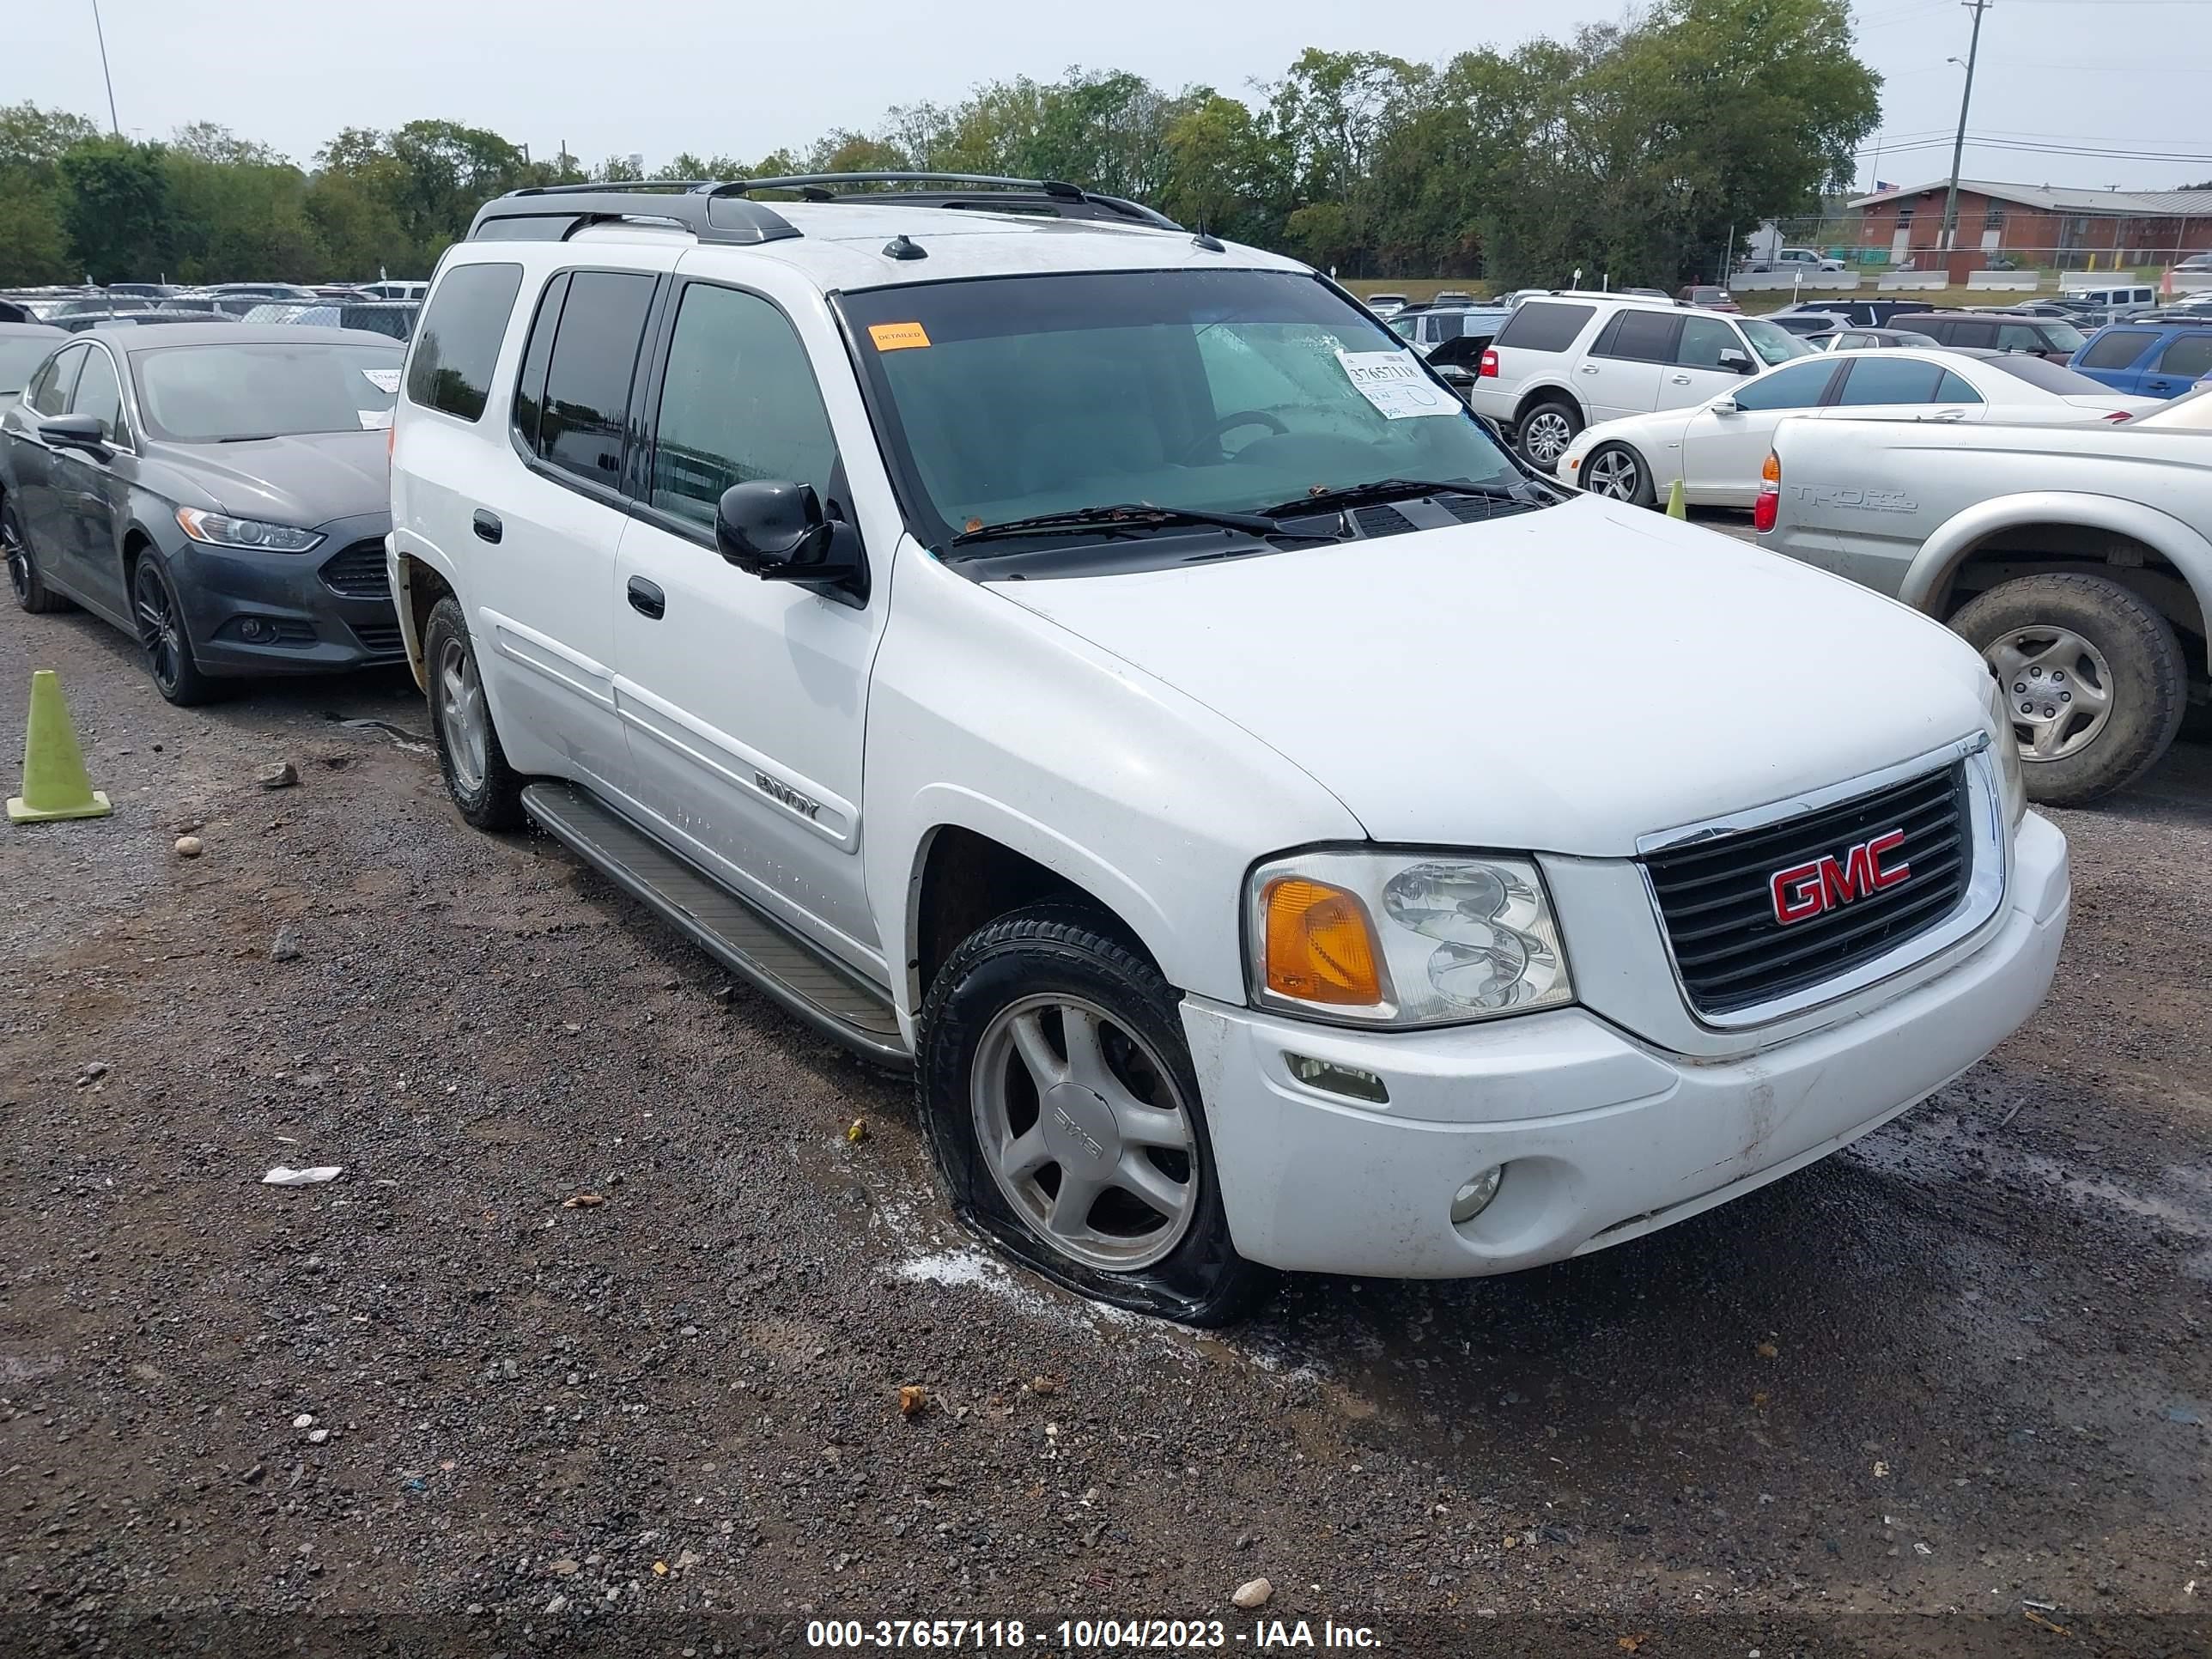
(1617, 472)
(2077, 631)
(486, 789)
(30, 588)
(1002, 1017)
(1543, 433)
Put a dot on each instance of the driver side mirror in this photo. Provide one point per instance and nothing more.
(776, 531)
(1737, 361)
(1725, 406)
(75, 432)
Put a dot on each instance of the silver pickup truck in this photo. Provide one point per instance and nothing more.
(2078, 559)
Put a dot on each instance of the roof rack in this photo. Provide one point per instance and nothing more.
(718, 210)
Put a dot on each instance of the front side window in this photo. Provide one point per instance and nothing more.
(739, 404)
(205, 394)
(1704, 339)
(49, 392)
(459, 344)
(1227, 390)
(100, 394)
(1798, 386)
(2019, 336)
(587, 377)
(2188, 356)
(2117, 349)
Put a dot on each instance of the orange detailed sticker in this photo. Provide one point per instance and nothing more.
(898, 337)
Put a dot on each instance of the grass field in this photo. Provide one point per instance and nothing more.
(1753, 303)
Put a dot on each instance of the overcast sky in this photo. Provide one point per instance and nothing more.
(658, 77)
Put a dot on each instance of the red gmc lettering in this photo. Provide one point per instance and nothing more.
(1805, 890)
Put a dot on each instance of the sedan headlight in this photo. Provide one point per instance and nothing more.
(1400, 938)
(217, 531)
(2008, 748)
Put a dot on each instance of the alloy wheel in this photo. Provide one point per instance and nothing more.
(1546, 436)
(1085, 1131)
(461, 717)
(18, 556)
(2059, 689)
(161, 634)
(1612, 473)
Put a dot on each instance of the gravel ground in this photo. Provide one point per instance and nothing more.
(1960, 1369)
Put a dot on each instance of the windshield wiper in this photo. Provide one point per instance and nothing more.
(1384, 490)
(1129, 518)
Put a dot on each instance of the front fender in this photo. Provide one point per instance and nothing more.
(1944, 551)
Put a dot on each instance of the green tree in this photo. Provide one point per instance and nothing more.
(118, 209)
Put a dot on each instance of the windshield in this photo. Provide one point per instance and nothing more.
(19, 356)
(1225, 390)
(2047, 376)
(1773, 343)
(2064, 337)
(210, 393)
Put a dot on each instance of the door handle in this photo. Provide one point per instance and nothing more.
(1682, 380)
(1950, 414)
(487, 526)
(1590, 368)
(647, 599)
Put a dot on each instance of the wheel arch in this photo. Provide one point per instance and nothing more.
(417, 586)
(978, 861)
(2150, 552)
(1547, 392)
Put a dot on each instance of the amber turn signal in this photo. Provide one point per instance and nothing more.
(1320, 945)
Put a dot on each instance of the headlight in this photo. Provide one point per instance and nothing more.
(2008, 748)
(1397, 938)
(218, 532)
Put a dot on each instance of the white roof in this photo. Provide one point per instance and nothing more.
(840, 245)
(2130, 204)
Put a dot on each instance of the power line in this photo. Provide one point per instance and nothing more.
(1958, 144)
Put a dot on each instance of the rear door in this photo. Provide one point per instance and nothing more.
(90, 491)
(1878, 387)
(1726, 442)
(1621, 376)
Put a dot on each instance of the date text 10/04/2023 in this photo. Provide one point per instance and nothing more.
(1088, 1634)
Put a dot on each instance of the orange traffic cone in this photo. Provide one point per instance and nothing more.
(54, 781)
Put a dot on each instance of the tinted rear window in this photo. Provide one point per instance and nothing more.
(1545, 325)
(587, 400)
(2048, 376)
(451, 369)
(2117, 349)
(1645, 337)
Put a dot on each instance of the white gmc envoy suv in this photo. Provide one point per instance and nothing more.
(1104, 669)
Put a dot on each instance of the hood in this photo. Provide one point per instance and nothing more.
(1560, 681)
(307, 480)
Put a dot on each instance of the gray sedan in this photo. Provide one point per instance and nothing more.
(218, 490)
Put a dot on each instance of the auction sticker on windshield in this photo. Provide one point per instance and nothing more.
(384, 380)
(898, 337)
(1395, 384)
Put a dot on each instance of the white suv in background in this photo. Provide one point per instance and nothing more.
(1570, 359)
(1102, 669)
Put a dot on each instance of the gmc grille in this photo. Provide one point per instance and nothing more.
(1718, 906)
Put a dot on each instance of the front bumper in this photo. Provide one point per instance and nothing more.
(306, 625)
(1603, 1138)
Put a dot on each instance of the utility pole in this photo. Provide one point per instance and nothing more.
(100, 35)
(1958, 144)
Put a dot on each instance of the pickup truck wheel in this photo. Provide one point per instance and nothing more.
(1545, 432)
(487, 790)
(1059, 1099)
(1617, 473)
(2093, 676)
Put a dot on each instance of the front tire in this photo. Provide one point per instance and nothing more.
(30, 588)
(486, 789)
(1618, 473)
(2094, 679)
(1544, 433)
(164, 636)
(1060, 1101)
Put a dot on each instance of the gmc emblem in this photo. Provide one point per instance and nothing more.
(1805, 890)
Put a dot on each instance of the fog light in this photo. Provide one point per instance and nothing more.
(254, 630)
(1474, 1195)
(1347, 1080)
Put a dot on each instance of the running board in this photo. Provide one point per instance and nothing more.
(783, 968)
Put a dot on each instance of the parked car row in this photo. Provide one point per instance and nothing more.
(1197, 977)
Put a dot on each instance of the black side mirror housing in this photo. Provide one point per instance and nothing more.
(776, 531)
(1737, 361)
(75, 432)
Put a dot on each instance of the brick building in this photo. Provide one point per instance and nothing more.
(2034, 225)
